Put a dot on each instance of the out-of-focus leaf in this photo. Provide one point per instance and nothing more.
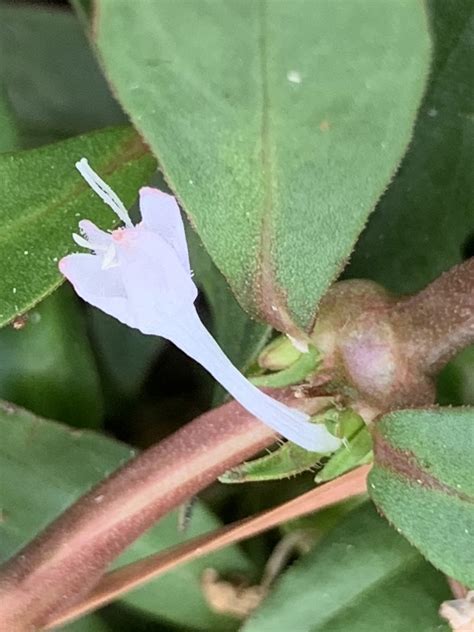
(83, 9)
(422, 222)
(42, 198)
(278, 124)
(47, 364)
(423, 483)
(321, 523)
(363, 577)
(8, 128)
(125, 355)
(53, 82)
(45, 466)
(92, 623)
(456, 381)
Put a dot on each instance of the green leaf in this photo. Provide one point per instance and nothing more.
(42, 199)
(125, 356)
(423, 483)
(241, 337)
(296, 373)
(284, 462)
(421, 225)
(45, 466)
(356, 451)
(92, 623)
(47, 365)
(84, 10)
(456, 381)
(363, 577)
(278, 355)
(289, 459)
(277, 124)
(8, 129)
(52, 79)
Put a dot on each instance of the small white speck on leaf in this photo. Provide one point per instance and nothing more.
(433, 112)
(294, 76)
(14, 290)
(26, 252)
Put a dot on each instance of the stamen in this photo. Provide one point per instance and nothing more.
(110, 258)
(81, 241)
(90, 245)
(103, 191)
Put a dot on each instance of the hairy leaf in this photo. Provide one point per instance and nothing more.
(241, 337)
(289, 459)
(277, 124)
(423, 483)
(284, 462)
(42, 198)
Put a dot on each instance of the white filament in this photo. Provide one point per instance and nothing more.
(103, 191)
(83, 242)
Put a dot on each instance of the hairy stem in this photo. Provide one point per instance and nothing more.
(63, 563)
(438, 322)
(385, 349)
(120, 581)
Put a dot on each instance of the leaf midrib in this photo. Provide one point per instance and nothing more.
(270, 302)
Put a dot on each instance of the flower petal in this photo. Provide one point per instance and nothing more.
(95, 235)
(161, 214)
(101, 288)
(189, 334)
(156, 284)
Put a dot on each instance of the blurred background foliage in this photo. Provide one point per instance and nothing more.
(67, 362)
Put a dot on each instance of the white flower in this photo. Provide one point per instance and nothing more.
(141, 276)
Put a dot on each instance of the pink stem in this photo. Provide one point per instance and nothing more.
(63, 564)
(438, 322)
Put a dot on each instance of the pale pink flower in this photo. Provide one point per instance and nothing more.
(141, 275)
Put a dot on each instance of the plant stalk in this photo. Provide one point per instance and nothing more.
(438, 322)
(62, 564)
